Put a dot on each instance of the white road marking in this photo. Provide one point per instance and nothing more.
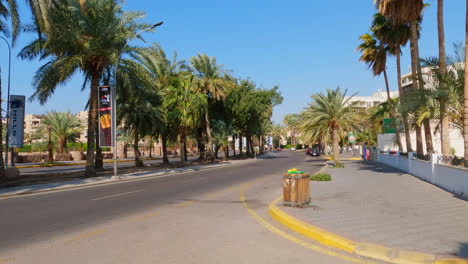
(196, 179)
(115, 195)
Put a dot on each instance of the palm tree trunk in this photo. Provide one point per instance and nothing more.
(164, 148)
(427, 122)
(201, 145)
(90, 171)
(444, 118)
(414, 61)
(60, 146)
(151, 148)
(182, 143)
(240, 144)
(226, 156)
(465, 112)
(138, 161)
(234, 145)
(247, 149)
(185, 149)
(392, 112)
(403, 102)
(209, 147)
(336, 150)
(49, 145)
(98, 160)
(2, 165)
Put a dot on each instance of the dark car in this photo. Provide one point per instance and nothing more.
(313, 152)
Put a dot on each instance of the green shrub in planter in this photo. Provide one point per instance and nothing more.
(321, 177)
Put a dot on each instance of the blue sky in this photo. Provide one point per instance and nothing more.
(303, 47)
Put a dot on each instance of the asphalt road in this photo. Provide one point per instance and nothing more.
(195, 217)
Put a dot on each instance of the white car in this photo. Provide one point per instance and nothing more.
(293, 148)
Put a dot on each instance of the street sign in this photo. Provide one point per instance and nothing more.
(105, 124)
(351, 137)
(388, 126)
(16, 124)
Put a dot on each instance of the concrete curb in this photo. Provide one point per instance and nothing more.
(110, 181)
(370, 250)
(80, 163)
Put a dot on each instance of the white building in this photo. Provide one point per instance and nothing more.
(363, 102)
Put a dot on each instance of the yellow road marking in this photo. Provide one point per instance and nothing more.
(290, 237)
(73, 239)
(184, 203)
(146, 216)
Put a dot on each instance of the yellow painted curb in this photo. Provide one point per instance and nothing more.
(329, 158)
(370, 250)
(313, 232)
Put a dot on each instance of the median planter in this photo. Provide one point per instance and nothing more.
(296, 189)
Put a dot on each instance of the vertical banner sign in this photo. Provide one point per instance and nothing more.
(351, 137)
(16, 124)
(105, 124)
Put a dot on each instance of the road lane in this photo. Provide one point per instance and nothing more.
(34, 219)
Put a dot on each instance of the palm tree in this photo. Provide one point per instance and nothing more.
(374, 54)
(444, 117)
(395, 36)
(212, 84)
(8, 9)
(87, 36)
(161, 74)
(63, 126)
(330, 113)
(185, 105)
(292, 122)
(401, 12)
(277, 132)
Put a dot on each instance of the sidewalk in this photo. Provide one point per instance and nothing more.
(72, 184)
(369, 202)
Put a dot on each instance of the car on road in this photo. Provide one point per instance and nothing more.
(313, 152)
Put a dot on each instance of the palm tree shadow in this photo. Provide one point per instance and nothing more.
(462, 250)
(378, 167)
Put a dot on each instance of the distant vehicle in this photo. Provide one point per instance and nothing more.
(293, 148)
(313, 152)
(278, 149)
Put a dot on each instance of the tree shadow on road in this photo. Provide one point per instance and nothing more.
(462, 250)
(377, 167)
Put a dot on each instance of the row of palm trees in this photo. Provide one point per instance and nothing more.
(156, 96)
(395, 23)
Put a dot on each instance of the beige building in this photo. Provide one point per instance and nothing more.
(83, 116)
(31, 123)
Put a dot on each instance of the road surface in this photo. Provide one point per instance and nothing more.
(196, 217)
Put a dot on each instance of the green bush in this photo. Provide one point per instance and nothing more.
(25, 148)
(321, 177)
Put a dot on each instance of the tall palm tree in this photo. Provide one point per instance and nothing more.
(465, 113)
(331, 113)
(212, 84)
(374, 54)
(8, 9)
(409, 12)
(63, 126)
(292, 122)
(87, 37)
(162, 72)
(395, 36)
(444, 117)
(185, 105)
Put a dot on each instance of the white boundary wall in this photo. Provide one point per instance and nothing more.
(452, 179)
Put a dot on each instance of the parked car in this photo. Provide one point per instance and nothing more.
(278, 149)
(293, 148)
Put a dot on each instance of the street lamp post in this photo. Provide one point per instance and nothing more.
(8, 104)
(114, 98)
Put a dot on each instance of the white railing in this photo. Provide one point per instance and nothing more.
(452, 179)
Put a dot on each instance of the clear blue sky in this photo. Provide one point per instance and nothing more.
(303, 47)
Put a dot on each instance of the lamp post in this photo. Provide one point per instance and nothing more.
(114, 98)
(8, 104)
